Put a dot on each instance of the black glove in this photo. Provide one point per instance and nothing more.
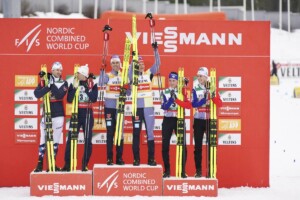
(92, 76)
(173, 95)
(86, 87)
(42, 74)
(186, 81)
(133, 53)
(154, 45)
(50, 81)
(213, 94)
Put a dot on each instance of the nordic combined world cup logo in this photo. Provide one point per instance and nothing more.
(30, 39)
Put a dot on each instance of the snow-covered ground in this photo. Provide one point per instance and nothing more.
(284, 137)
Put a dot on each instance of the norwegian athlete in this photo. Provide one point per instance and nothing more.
(87, 96)
(58, 89)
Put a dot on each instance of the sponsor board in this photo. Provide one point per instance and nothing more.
(229, 125)
(26, 137)
(127, 180)
(26, 109)
(190, 187)
(229, 110)
(288, 69)
(158, 112)
(99, 138)
(127, 138)
(230, 96)
(24, 95)
(157, 137)
(229, 139)
(61, 184)
(25, 123)
(26, 81)
(156, 96)
(230, 82)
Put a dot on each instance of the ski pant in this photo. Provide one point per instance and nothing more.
(110, 119)
(57, 126)
(81, 123)
(145, 115)
(199, 129)
(168, 126)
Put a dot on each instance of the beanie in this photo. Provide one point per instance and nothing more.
(84, 70)
(203, 71)
(57, 65)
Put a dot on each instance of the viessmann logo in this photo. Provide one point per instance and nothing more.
(170, 38)
(57, 188)
(29, 39)
(186, 187)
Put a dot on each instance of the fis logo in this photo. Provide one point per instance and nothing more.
(110, 182)
(30, 39)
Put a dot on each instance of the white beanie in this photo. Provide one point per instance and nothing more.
(84, 70)
(203, 71)
(57, 65)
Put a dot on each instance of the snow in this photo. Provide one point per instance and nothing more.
(284, 136)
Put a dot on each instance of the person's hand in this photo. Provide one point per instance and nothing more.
(50, 81)
(186, 81)
(75, 82)
(213, 94)
(42, 74)
(154, 45)
(173, 95)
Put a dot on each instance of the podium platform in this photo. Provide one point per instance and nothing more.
(190, 187)
(61, 183)
(127, 180)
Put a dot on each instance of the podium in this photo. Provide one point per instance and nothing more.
(190, 187)
(127, 180)
(61, 183)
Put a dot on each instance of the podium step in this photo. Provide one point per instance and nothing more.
(190, 187)
(61, 183)
(127, 180)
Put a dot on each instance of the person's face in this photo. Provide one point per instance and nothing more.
(202, 79)
(173, 83)
(81, 77)
(141, 66)
(115, 65)
(57, 73)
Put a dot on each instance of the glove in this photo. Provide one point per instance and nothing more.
(92, 76)
(213, 94)
(186, 81)
(154, 45)
(50, 81)
(86, 87)
(173, 95)
(42, 74)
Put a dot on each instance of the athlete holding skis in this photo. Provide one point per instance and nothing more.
(200, 100)
(112, 80)
(145, 108)
(169, 124)
(87, 95)
(58, 89)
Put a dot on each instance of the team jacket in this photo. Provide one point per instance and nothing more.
(199, 101)
(144, 91)
(85, 96)
(112, 80)
(57, 92)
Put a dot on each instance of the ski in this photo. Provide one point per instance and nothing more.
(87, 123)
(48, 122)
(213, 127)
(105, 30)
(74, 125)
(135, 65)
(122, 97)
(180, 147)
